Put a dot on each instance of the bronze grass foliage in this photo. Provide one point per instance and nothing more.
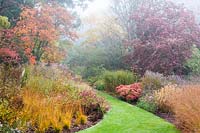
(184, 102)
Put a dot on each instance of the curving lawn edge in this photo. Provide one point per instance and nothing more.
(125, 118)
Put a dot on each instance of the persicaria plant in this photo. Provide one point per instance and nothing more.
(129, 92)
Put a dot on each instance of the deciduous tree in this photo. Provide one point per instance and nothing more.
(165, 33)
(39, 28)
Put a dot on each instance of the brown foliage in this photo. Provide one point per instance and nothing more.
(184, 103)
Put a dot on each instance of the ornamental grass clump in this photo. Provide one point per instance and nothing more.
(184, 103)
(112, 79)
(186, 107)
(54, 110)
(163, 97)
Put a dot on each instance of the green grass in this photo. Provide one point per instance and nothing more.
(125, 118)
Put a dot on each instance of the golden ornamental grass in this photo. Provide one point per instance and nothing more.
(43, 112)
(184, 102)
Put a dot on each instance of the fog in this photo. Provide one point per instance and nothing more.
(100, 7)
(193, 5)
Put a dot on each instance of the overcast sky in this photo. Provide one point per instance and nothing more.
(193, 5)
(99, 7)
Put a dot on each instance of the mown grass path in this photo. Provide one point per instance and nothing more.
(125, 118)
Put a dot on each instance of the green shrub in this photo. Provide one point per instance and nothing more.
(112, 79)
(99, 85)
(148, 102)
(148, 106)
(91, 74)
(194, 63)
(78, 69)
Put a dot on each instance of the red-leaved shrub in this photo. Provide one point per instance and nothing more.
(8, 55)
(129, 92)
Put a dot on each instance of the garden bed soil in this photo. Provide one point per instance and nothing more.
(167, 116)
(170, 118)
(75, 128)
(94, 116)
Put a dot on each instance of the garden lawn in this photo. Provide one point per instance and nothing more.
(126, 118)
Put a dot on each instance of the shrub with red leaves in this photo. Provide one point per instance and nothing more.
(129, 92)
(90, 100)
(8, 55)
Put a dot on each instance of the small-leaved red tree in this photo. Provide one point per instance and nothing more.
(165, 33)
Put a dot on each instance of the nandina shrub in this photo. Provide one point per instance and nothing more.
(91, 101)
(8, 56)
(129, 92)
(10, 81)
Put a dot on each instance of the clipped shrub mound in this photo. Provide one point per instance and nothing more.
(129, 92)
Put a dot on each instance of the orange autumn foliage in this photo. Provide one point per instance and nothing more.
(40, 27)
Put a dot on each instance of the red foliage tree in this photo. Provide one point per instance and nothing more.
(165, 33)
(39, 28)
